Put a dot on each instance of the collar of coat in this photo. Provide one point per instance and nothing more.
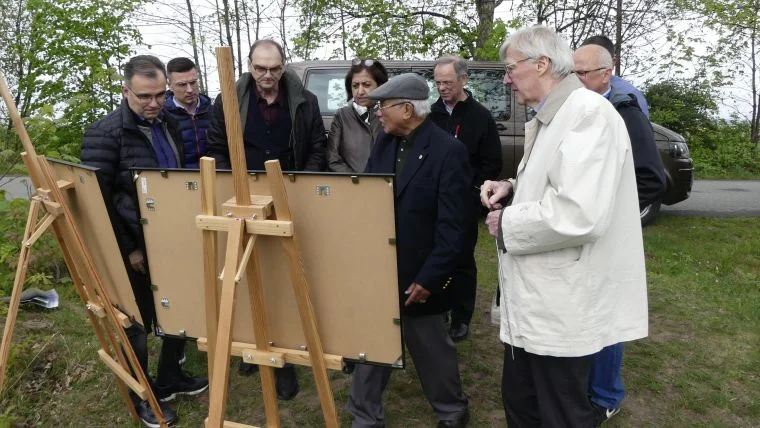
(557, 97)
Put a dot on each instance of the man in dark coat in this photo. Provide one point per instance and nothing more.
(467, 120)
(280, 120)
(138, 134)
(191, 108)
(593, 65)
(432, 214)
(279, 117)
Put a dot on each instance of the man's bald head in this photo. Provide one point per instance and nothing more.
(593, 65)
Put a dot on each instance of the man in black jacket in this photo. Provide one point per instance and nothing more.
(593, 65)
(138, 134)
(280, 120)
(467, 120)
(189, 106)
(279, 117)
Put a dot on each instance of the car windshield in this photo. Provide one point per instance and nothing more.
(486, 87)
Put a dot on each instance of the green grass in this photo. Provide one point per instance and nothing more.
(698, 367)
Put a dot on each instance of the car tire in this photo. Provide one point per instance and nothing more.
(649, 212)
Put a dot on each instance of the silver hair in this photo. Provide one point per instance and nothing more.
(460, 65)
(421, 107)
(604, 57)
(538, 41)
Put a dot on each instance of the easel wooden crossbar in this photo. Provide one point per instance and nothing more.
(245, 219)
(115, 350)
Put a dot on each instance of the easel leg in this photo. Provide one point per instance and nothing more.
(220, 375)
(18, 288)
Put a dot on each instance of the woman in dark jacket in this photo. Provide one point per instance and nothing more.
(355, 126)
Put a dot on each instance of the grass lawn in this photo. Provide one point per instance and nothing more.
(699, 366)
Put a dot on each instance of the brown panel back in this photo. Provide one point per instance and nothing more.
(91, 217)
(343, 229)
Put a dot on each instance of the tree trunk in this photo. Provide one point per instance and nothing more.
(485, 10)
(194, 41)
(618, 36)
(237, 33)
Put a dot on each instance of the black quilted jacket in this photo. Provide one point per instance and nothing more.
(114, 144)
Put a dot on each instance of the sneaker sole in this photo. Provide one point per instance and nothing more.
(156, 425)
(188, 393)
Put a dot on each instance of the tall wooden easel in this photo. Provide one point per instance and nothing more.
(246, 217)
(115, 350)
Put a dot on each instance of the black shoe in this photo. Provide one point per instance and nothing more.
(286, 382)
(185, 385)
(145, 413)
(459, 332)
(603, 414)
(461, 422)
(348, 367)
(247, 369)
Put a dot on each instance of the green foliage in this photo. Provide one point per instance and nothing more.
(61, 59)
(720, 148)
(46, 264)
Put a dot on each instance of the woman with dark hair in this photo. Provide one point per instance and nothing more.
(355, 126)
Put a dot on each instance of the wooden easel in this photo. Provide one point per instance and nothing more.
(115, 350)
(246, 217)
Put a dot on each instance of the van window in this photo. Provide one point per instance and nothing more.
(487, 88)
(329, 87)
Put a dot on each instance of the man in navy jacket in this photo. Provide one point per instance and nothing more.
(191, 108)
(432, 214)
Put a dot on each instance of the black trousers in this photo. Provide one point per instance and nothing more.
(465, 281)
(543, 391)
(169, 370)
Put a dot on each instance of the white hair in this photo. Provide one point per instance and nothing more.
(538, 41)
(421, 107)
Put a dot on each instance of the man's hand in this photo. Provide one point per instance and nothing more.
(417, 294)
(492, 221)
(137, 260)
(491, 192)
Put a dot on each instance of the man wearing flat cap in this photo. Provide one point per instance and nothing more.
(432, 179)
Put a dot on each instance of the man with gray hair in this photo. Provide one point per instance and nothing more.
(432, 180)
(593, 66)
(571, 253)
(467, 120)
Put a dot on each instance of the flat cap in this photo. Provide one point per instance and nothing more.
(410, 86)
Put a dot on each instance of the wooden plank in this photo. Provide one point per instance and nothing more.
(230, 424)
(254, 227)
(232, 124)
(96, 309)
(124, 320)
(264, 358)
(303, 299)
(122, 374)
(210, 260)
(292, 356)
(41, 228)
(220, 375)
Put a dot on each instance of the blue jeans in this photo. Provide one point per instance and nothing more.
(605, 384)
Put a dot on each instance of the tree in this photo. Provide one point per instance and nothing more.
(686, 107)
(63, 65)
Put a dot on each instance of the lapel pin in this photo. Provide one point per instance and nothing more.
(420, 156)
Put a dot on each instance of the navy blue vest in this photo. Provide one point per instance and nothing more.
(265, 142)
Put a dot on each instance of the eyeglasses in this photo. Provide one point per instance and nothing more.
(264, 70)
(148, 98)
(582, 74)
(444, 84)
(188, 83)
(380, 107)
(510, 68)
(366, 62)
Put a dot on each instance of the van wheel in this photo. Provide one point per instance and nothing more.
(649, 212)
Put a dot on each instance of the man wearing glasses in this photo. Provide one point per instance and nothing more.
(593, 66)
(280, 120)
(467, 120)
(431, 191)
(191, 108)
(139, 134)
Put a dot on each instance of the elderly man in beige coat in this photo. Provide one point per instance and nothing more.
(571, 257)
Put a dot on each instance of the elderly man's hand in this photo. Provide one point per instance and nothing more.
(491, 192)
(137, 260)
(417, 294)
(492, 221)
